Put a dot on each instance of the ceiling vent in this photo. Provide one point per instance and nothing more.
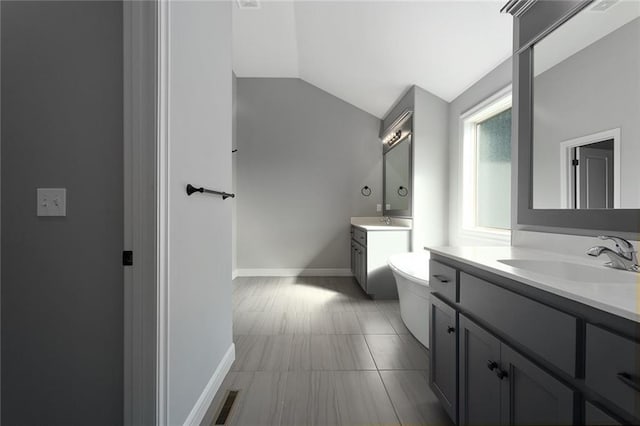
(248, 4)
(601, 6)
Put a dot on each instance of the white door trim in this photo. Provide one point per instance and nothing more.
(565, 165)
(163, 170)
(140, 206)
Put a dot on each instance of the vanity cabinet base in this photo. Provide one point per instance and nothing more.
(370, 251)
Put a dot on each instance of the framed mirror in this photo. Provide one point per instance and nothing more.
(397, 169)
(576, 121)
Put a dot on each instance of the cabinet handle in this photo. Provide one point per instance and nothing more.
(501, 374)
(492, 365)
(628, 380)
(450, 329)
(441, 278)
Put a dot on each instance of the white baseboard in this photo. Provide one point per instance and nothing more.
(202, 405)
(295, 272)
(234, 274)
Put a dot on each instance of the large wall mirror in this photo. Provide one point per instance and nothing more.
(586, 111)
(397, 168)
(577, 117)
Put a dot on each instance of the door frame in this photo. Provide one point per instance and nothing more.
(566, 167)
(141, 211)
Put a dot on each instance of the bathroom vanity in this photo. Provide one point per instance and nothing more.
(522, 336)
(372, 243)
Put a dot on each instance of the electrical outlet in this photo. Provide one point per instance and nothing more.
(378, 207)
(51, 202)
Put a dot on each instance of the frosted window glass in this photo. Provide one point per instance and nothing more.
(493, 144)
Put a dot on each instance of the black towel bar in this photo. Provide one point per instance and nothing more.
(191, 189)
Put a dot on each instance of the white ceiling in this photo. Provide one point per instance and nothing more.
(369, 52)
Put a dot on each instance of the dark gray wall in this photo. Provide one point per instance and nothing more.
(303, 156)
(62, 296)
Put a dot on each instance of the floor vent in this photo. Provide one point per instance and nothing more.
(226, 407)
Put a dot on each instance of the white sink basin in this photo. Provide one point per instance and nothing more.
(572, 271)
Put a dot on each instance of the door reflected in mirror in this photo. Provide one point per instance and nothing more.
(397, 184)
(586, 111)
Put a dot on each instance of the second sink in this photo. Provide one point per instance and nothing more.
(571, 271)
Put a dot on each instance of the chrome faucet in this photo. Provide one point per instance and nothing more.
(624, 257)
(386, 220)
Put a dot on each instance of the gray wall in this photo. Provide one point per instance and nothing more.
(430, 183)
(200, 123)
(430, 165)
(494, 81)
(62, 295)
(596, 89)
(303, 156)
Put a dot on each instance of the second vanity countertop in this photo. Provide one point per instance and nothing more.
(610, 290)
(376, 224)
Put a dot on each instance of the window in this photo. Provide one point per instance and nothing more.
(486, 168)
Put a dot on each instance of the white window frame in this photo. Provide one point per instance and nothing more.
(491, 106)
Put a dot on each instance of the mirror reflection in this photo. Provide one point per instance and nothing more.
(586, 111)
(397, 163)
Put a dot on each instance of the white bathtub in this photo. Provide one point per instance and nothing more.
(411, 271)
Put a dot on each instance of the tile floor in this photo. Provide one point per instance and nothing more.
(318, 351)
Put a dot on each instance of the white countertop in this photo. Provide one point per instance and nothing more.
(383, 227)
(618, 295)
(376, 224)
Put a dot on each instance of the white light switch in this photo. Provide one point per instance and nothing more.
(52, 201)
(378, 207)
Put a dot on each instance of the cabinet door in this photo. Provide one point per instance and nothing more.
(531, 396)
(595, 416)
(363, 268)
(443, 363)
(358, 265)
(479, 382)
(353, 259)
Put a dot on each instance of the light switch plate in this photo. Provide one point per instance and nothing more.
(378, 207)
(388, 206)
(52, 201)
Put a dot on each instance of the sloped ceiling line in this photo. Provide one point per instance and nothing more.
(369, 52)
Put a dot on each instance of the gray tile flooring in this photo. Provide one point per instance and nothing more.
(318, 351)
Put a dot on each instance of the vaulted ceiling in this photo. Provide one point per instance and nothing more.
(369, 52)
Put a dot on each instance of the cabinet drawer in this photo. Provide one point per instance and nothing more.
(360, 235)
(443, 280)
(613, 368)
(547, 332)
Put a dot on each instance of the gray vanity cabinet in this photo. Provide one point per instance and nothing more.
(444, 354)
(527, 356)
(594, 416)
(479, 385)
(611, 368)
(359, 264)
(530, 395)
(499, 386)
(370, 251)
